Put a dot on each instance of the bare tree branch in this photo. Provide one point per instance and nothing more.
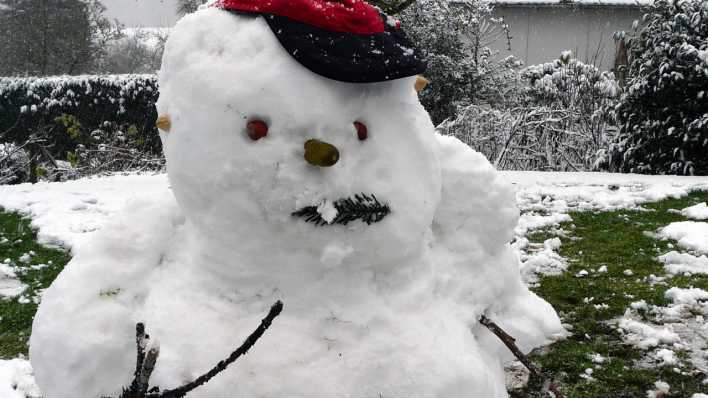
(145, 362)
(510, 343)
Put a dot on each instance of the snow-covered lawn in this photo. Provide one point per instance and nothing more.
(68, 214)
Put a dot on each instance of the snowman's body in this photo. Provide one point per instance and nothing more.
(388, 309)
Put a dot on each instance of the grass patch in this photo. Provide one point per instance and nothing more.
(17, 315)
(618, 241)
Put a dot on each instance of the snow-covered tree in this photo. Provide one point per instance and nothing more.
(664, 111)
(136, 50)
(43, 37)
(455, 37)
(185, 7)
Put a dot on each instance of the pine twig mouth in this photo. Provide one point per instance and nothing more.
(366, 208)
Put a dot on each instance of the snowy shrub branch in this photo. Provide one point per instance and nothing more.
(455, 38)
(556, 120)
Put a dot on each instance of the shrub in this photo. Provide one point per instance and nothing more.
(14, 164)
(557, 120)
(454, 38)
(663, 115)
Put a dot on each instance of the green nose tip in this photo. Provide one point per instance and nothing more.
(320, 153)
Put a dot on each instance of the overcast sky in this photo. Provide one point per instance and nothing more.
(142, 12)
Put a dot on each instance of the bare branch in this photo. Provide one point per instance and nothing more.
(510, 343)
(275, 310)
(145, 362)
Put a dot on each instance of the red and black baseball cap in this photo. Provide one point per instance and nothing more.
(345, 40)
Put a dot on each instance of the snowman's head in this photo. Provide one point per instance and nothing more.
(263, 151)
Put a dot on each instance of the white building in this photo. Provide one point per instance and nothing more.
(142, 13)
(541, 29)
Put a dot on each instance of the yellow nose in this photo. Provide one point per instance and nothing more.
(320, 153)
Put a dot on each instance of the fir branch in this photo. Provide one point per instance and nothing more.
(366, 208)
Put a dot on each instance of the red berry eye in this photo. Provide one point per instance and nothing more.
(257, 129)
(361, 131)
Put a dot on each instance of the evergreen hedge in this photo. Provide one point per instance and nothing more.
(32, 104)
(663, 114)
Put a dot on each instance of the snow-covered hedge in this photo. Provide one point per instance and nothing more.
(32, 104)
(663, 113)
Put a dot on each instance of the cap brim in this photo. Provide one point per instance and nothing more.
(348, 57)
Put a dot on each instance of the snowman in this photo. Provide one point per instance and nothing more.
(302, 168)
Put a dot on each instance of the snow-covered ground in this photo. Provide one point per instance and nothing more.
(68, 214)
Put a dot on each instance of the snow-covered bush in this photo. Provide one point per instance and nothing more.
(29, 105)
(556, 120)
(454, 38)
(663, 114)
(14, 164)
(114, 148)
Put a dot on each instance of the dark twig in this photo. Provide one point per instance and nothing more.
(145, 362)
(140, 345)
(179, 392)
(510, 343)
(148, 367)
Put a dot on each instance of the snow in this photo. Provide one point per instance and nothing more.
(529, 222)
(677, 326)
(16, 379)
(691, 235)
(645, 335)
(387, 309)
(543, 262)
(662, 388)
(546, 198)
(563, 192)
(10, 286)
(691, 297)
(666, 357)
(327, 210)
(69, 213)
(697, 212)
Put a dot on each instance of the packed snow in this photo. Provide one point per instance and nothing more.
(691, 235)
(385, 309)
(17, 379)
(10, 286)
(644, 335)
(664, 329)
(681, 263)
(697, 212)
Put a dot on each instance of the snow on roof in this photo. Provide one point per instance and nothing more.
(593, 3)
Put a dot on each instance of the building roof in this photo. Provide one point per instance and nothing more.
(571, 3)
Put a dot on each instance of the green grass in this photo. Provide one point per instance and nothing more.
(16, 323)
(617, 240)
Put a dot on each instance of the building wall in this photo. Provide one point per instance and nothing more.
(540, 33)
(143, 13)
